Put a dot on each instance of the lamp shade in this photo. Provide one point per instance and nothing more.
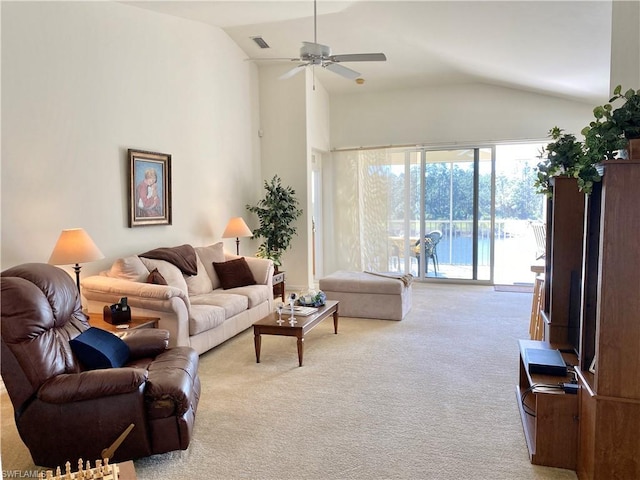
(236, 228)
(74, 246)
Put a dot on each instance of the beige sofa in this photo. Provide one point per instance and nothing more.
(195, 309)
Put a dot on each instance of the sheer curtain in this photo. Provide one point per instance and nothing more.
(358, 227)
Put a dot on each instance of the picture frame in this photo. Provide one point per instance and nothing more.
(149, 188)
(592, 367)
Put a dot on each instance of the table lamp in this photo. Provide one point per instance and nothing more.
(237, 228)
(75, 246)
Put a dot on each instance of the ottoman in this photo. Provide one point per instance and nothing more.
(369, 295)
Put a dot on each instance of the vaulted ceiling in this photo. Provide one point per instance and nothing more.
(561, 48)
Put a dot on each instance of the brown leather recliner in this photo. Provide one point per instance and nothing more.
(63, 411)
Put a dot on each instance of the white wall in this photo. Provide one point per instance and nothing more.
(318, 116)
(84, 81)
(283, 125)
(625, 45)
(294, 122)
(319, 144)
(450, 115)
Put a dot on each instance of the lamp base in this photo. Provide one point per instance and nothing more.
(76, 269)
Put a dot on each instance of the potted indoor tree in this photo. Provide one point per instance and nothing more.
(277, 212)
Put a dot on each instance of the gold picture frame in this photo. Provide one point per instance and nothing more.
(150, 188)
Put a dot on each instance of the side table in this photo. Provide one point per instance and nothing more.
(278, 284)
(97, 320)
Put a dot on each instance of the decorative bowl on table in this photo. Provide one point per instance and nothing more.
(312, 299)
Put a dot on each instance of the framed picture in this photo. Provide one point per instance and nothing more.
(592, 367)
(150, 188)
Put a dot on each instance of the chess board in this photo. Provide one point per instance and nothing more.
(102, 470)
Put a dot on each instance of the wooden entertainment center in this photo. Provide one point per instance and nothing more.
(592, 307)
(549, 418)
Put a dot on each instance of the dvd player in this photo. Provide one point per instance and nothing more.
(545, 361)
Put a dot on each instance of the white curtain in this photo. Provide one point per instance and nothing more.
(358, 226)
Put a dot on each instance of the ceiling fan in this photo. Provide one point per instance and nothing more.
(315, 54)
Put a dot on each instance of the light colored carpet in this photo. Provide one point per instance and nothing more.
(430, 397)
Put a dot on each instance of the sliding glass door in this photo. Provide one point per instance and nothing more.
(445, 228)
(418, 211)
(437, 214)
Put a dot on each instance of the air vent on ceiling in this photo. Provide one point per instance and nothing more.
(260, 42)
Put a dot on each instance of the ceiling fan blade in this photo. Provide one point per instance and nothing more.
(292, 72)
(340, 70)
(359, 57)
(273, 59)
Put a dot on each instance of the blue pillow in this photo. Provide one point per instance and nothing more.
(97, 348)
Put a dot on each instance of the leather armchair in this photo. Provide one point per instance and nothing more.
(62, 410)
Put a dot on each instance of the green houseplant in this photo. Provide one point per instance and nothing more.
(276, 211)
(607, 135)
(563, 156)
(612, 129)
(627, 116)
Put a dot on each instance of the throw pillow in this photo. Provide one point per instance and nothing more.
(129, 268)
(201, 283)
(97, 348)
(156, 278)
(234, 273)
(171, 273)
(208, 255)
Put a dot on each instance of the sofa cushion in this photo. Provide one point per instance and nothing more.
(232, 304)
(171, 273)
(97, 348)
(234, 273)
(208, 255)
(129, 268)
(200, 283)
(205, 317)
(156, 278)
(256, 294)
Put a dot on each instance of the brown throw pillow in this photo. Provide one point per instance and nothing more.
(234, 273)
(156, 278)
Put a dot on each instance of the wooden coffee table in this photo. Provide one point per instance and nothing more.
(269, 326)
